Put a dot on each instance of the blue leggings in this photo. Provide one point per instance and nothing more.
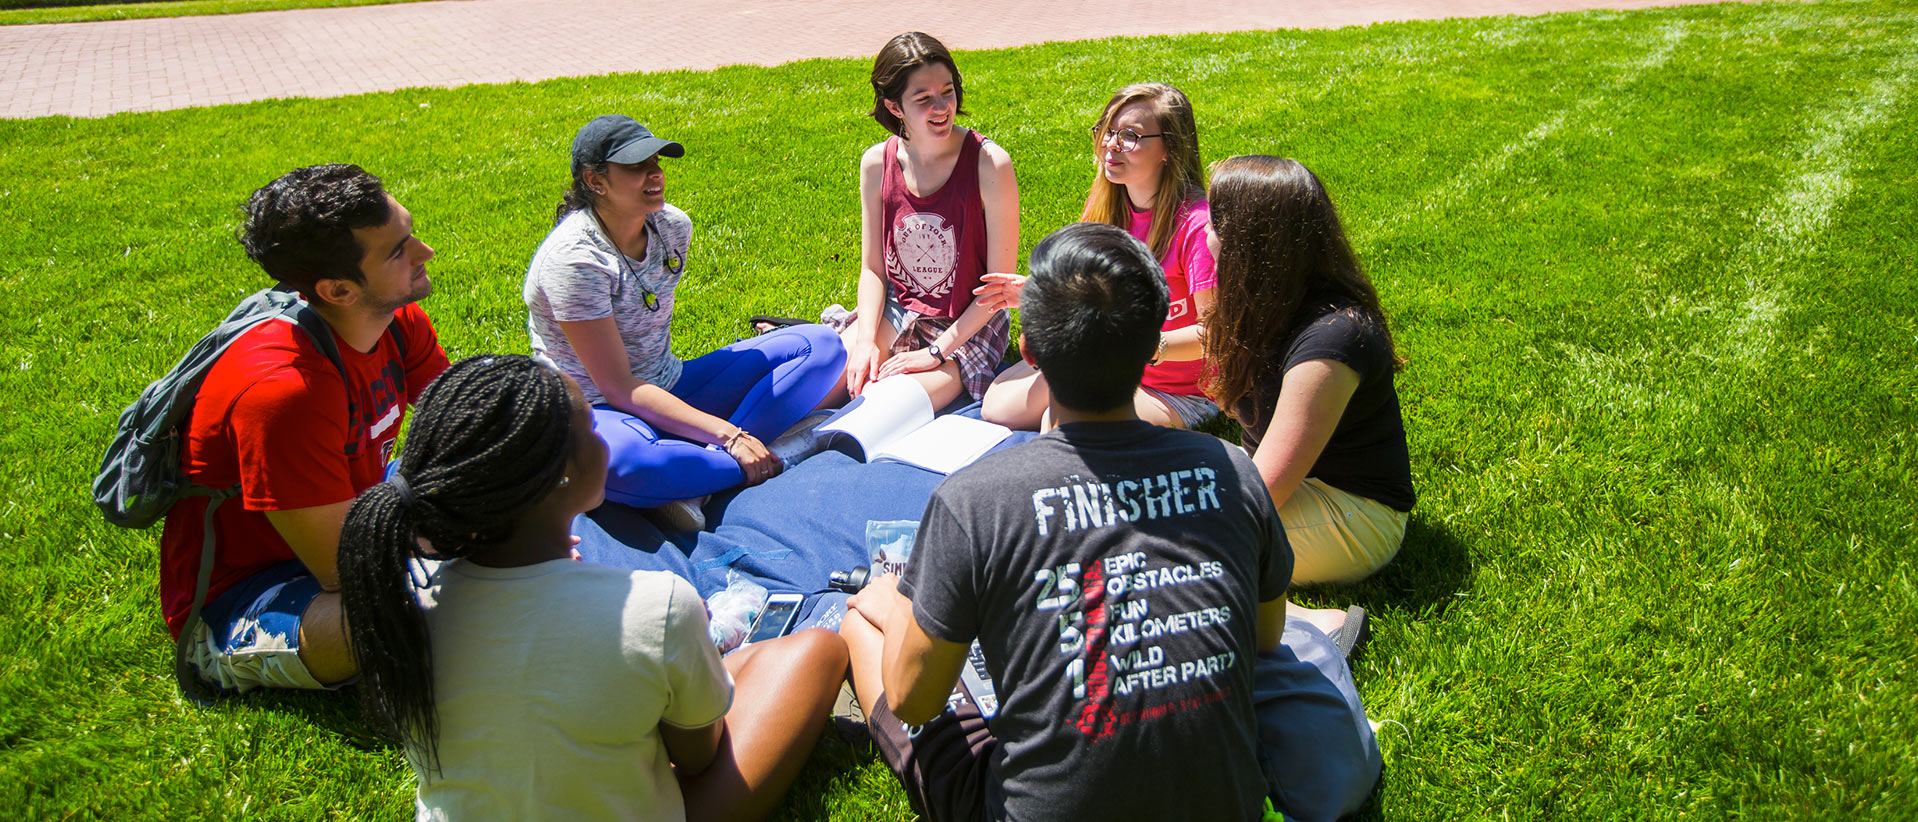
(763, 384)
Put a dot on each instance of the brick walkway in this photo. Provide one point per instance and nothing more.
(95, 69)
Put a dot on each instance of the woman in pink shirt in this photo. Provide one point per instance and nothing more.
(939, 208)
(1149, 182)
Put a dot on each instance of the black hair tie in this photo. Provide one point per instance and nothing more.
(407, 498)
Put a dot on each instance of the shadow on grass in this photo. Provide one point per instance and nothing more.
(338, 713)
(1431, 568)
(1423, 580)
(829, 786)
(1222, 426)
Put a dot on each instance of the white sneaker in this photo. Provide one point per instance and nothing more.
(800, 441)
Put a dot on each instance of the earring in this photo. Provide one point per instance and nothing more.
(564, 480)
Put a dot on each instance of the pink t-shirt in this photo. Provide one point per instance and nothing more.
(1188, 268)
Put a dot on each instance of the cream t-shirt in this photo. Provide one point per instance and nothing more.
(552, 681)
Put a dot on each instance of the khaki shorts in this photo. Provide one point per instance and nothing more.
(1338, 536)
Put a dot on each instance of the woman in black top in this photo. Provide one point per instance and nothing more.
(1304, 361)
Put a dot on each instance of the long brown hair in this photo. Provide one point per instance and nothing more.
(1280, 243)
(1183, 177)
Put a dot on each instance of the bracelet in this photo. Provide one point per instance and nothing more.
(732, 440)
(1159, 354)
(936, 353)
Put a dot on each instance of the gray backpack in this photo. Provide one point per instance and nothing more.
(141, 478)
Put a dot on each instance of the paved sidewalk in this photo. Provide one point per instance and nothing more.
(95, 69)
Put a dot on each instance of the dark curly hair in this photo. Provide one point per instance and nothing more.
(299, 228)
(580, 196)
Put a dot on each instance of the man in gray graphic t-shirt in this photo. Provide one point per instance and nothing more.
(1118, 576)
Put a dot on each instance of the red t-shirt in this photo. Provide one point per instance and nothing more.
(934, 246)
(274, 416)
(1189, 269)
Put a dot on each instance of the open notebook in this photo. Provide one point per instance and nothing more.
(893, 421)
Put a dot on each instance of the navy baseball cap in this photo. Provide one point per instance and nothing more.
(617, 138)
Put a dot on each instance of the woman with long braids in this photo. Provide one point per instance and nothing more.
(1304, 361)
(599, 299)
(1149, 182)
(525, 684)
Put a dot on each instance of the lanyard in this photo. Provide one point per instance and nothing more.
(673, 262)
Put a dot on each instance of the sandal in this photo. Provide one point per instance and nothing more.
(849, 717)
(1351, 636)
(762, 323)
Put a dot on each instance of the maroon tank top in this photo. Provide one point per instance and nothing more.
(935, 246)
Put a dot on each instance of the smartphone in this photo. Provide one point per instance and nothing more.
(978, 683)
(782, 610)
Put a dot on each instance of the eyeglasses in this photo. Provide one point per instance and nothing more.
(1125, 139)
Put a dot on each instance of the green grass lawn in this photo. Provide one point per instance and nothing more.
(49, 11)
(1654, 272)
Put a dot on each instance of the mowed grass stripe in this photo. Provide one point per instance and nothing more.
(1771, 262)
(1677, 276)
(1805, 677)
(1604, 532)
(1793, 226)
(1458, 189)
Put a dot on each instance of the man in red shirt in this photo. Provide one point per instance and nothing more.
(274, 416)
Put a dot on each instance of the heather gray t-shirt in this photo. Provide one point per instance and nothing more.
(1112, 573)
(578, 275)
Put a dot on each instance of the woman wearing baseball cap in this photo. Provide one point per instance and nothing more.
(599, 299)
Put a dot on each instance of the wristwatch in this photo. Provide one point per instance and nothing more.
(936, 353)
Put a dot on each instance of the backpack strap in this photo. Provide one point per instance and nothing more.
(399, 339)
(303, 315)
(318, 331)
(195, 689)
(192, 686)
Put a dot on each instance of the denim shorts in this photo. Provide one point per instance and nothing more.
(249, 636)
(1193, 411)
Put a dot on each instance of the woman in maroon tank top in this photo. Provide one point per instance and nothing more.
(939, 208)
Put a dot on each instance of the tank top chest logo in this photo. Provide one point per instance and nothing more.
(924, 253)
